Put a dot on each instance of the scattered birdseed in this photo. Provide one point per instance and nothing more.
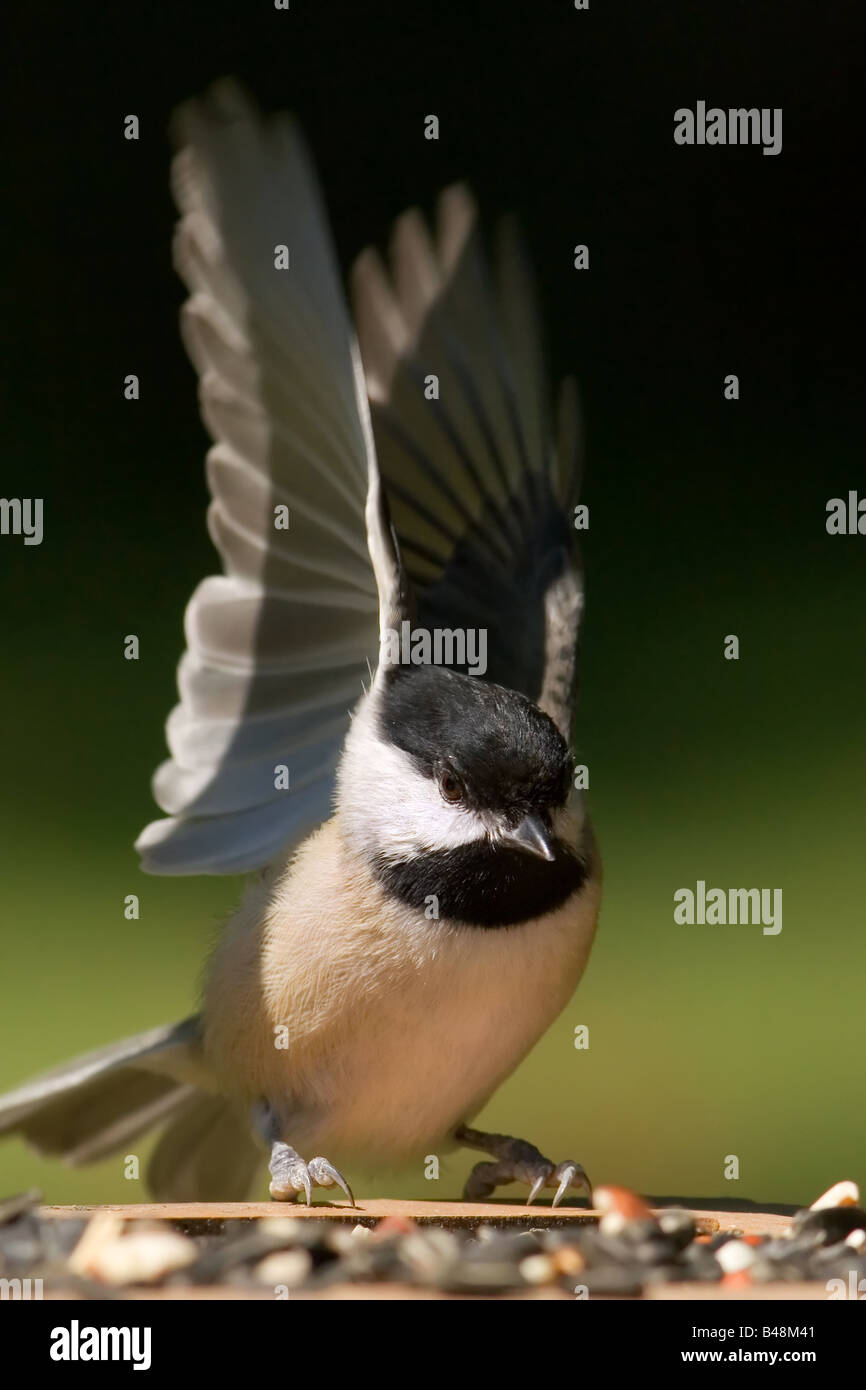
(629, 1250)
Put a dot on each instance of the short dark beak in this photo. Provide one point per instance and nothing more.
(532, 836)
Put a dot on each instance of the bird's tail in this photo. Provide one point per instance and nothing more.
(97, 1104)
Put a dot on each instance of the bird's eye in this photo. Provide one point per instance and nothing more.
(450, 786)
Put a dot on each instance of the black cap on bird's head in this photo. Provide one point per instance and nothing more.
(490, 750)
(458, 793)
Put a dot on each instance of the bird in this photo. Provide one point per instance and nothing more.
(387, 482)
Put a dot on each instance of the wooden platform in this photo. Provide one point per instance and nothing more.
(215, 1218)
(450, 1215)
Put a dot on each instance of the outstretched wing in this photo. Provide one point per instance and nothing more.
(277, 646)
(481, 488)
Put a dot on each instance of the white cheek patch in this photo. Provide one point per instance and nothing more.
(390, 808)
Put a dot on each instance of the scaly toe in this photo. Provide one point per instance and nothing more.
(289, 1181)
(324, 1174)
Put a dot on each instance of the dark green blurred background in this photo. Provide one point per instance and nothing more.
(707, 518)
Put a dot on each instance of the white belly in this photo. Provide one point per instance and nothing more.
(397, 1027)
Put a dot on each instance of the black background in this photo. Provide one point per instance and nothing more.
(702, 261)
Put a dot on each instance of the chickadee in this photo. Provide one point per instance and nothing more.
(428, 881)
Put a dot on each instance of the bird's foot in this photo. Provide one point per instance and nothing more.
(516, 1161)
(291, 1175)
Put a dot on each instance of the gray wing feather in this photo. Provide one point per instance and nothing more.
(171, 1050)
(481, 486)
(96, 1104)
(92, 1105)
(278, 646)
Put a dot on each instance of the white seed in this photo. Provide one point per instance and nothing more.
(100, 1231)
(538, 1269)
(289, 1267)
(142, 1257)
(841, 1194)
(734, 1256)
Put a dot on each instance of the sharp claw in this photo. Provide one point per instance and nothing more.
(571, 1175)
(516, 1161)
(535, 1189)
(337, 1177)
(564, 1183)
(347, 1189)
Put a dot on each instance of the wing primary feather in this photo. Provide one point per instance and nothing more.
(283, 396)
(481, 474)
